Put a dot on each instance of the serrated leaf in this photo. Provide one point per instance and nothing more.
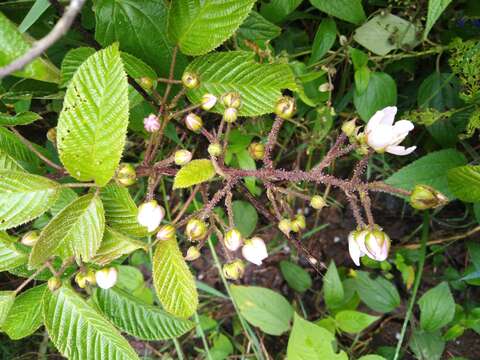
(76, 231)
(79, 331)
(348, 10)
(6, 301)
(24, 197)
(195, 172)
(66, 197)
(23, 118)
(14, 148)
(8, 163)
(71, 62)
(138, 319)
(115, 245)
(464, 182)
(260, 85)
(25, 316)
(121, 211)
(93, 123)
(174, 283)
(191, 23)
(11, 255)
(13, 45)
(257, 28)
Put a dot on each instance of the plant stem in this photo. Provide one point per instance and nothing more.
(202, 335)
(421, 264)
(178, 348)
(79, 185)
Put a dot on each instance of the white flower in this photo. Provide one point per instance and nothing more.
(384, 136)
(233, 239)
(373, 243)
(255, 250)
(150, 215)
(106, 278)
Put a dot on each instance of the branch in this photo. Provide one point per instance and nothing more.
(60, 28)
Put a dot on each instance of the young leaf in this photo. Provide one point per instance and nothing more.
(332, 288)
(11, 255)
(24, 197)
(79, 331)
(348, 10)
(174, 283)
(195, 172)
(13, 44)
(378, 294)
(437, 308)
(464, 182)
(296, 277)
(190, 23)
(72, 61)
(115, 245)
(310, 341)
(138, 319)
(435, 9)
(259, 85)
(324, 39)
(354, 322)
(25, 316)
(93, 123)
(76, 231)
(121, 211)
(264, 308)
(23, 118)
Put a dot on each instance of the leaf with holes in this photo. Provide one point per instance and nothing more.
(79, 331)
(174, 283)
(138, 319)
(11, 254)
(195, 172)
(76, 231)
(260, 85)
(24, 197)
(93, 123)
(198, 27)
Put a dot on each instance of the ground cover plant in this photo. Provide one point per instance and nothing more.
(239, 179)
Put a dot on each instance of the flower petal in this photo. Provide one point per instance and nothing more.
(400, 150)
(380, 137)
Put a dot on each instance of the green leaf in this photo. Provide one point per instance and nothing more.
(427, 346)
(138, 319)
(76, 231)
(136, 68)
(71, 62)
(11, 255)
(15, 149)
(353, 322)
(324, 39)
(25, 316)
(348, 10)
(190, 23)
(359, 58)
(309, 341)
(297, 277)
(378, 294)
(430, 170)
(384, 33)
(174, 283)
(438, 91)
(6, 302)
(35, 12)
(245, 217)
(278, 10)
(259, 85)
(362, 78)
(23, 118)
(464, 182)
(332, 288)
(14, 44)
(93, 123)
(263, 308)
(372, 357)
(8, 163)
(257, 28)
(115, 245)
(79, 331)
(66, 197)
(24, 197)
(121, 211)
(437, 308)
(435, 9)
(380, 93)
(195, 172)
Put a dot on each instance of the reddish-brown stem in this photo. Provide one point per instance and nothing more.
(272, 140)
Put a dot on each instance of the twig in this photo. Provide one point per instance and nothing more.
(447, 239)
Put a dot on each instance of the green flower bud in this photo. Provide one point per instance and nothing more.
(349, 128)
(325, 87)
(193, 122)
(215, 149)
(425, 197)
(285, 107)
(166, 232)
(145, 82)
(30, 238)
(54, 283)
(256, 150)
(232, 100)
(192, 254)
(196, 229)
(317, 202)
(233, 239)
(126, 174)
(52, 135)
(298, 223)
(234, 270)
(182, 157)
(285, 226)
(230, 115)
(85, 278)
(190, 80)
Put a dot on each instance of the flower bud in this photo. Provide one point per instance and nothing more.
(285, 226)
(30, 238)
(343, 40)
(166, 232)
(150, 215)
(193, 122)
(317, 202)
(425, 197)
(232, 100)
(52, 135)
(106, 277)
(255, 250)
(285, 107)
(233, 239)
(377, 244)
(182, 157)
(54, 283)
(208, 101)
(298, 223)
(190, 80)
(151, 123)
(196, 229)
(192, 254)
(85, 278)
(234, 270)
(349, 127)
(126, 174)
(230, 115)
(325, 87)
(256, 150)
(145, 82)
(215, 149)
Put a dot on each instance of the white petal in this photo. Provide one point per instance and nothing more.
(400, 150)
(380, 137)
(403, 126)
(354, 250)
(385, 116)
